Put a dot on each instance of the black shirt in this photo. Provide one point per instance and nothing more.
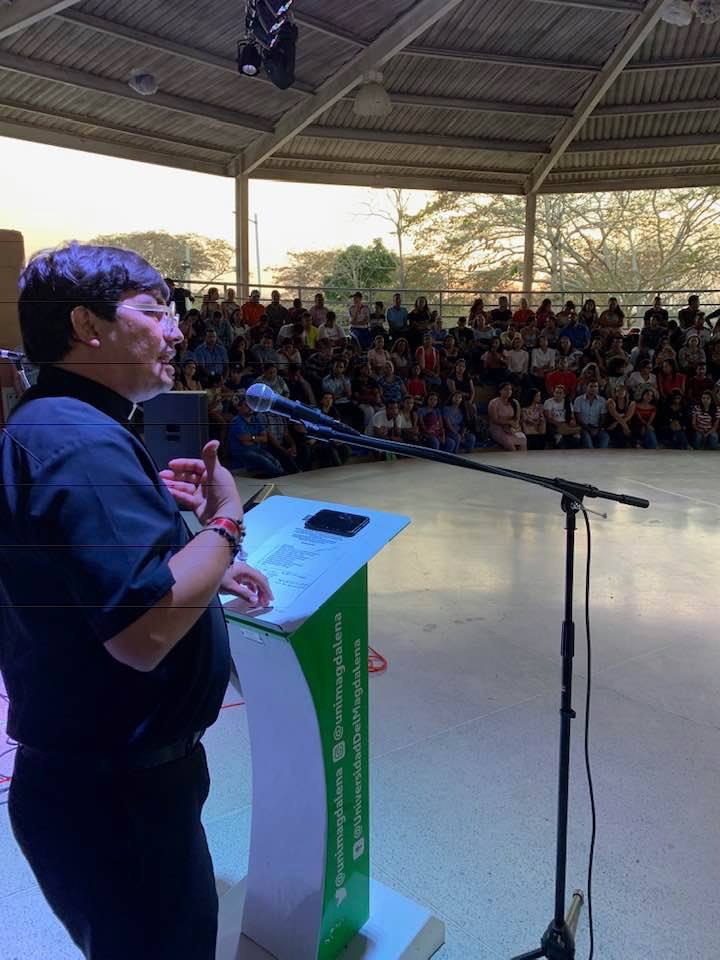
(180, 296)
(87, 530)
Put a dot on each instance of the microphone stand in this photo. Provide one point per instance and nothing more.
(558, 941)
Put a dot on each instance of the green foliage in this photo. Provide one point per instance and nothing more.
(209, 258)
(361, 268)
(633, 240)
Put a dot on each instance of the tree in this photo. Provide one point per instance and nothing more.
(209, 259)
(633, 240)
(361, 268)
(305, 268)
(395, 210)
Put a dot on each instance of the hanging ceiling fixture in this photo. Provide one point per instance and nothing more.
(270, 39)
(677, 12)
(144, 83)
(707, 11)
(372, 99)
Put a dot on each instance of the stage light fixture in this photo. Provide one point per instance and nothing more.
(249, 59)
(280, 59)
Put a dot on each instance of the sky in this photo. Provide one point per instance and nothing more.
(59, 194)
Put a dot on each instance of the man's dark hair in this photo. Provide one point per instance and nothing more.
(330, 315)
(78, 275)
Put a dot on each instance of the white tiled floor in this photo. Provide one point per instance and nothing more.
(466, 605)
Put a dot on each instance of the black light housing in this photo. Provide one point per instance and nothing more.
(249, 59)
(280, 60)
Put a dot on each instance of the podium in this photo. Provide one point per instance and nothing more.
(303, 665)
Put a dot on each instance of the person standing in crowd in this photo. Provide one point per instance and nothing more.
(252, 310)
(110, 772)
(397, 317)
(360, 320)
(277, 315)
(180, 297)
(658, 313)
(318, 311)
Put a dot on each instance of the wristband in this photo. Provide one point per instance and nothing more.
(232, 541)
(235, 528)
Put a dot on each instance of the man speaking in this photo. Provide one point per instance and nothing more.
(113, 644)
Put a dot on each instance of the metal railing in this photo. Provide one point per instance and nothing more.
(452, 303)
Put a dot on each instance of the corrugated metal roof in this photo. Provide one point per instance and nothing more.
(76, 76)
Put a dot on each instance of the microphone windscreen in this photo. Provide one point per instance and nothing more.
(260, 397)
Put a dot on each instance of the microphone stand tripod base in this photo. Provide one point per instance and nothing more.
(558, 943)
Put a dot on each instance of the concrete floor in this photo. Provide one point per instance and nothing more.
(467, 605)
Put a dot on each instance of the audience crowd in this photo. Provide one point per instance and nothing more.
(517, 380)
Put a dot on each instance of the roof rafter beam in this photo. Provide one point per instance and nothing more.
(478, 106)
(645, 143)
(421, 168)
(422, 139)
(104, 126)
(639, 30)
(410, 25)
(389, 180)
(109, 148)
(618, 168)
(203, 57)
(501, 59)
(19, 16)
(640, 109)
(116, 88)
(626, 183)
(605, 6)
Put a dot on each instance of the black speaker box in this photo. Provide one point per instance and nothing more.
(176, 425)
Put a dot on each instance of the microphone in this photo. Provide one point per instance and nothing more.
(261, 398)
(12, 355)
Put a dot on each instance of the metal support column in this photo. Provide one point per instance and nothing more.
(242, 242)
(529, 264)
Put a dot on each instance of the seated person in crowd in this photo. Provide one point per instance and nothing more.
(187, 378)
(335, 453)
(641, 380)
(409, 421)
(319, 364)
(651, 334)
(416, 385)
(494, 363)
(463, 334)
(591, 413)
(400, 357)
(560, 416)
(338, 384)
(577, 332)
(249, 445)
(459, 437)
(689, 314)
(621, 410)
(544, 314)
(432, 426)
(391, 385)
(438, 332)
(504, 417)
(670, 379)
(264, 352)
(705, 422)
(450, 353)
(567, 314)
(289, 352)
(698, 384)
(523, 316)
(673, 422)
(298, 387)
(271, 378)
(377, 356)
(501, 316)
(310, 333)
(211, 356)
(331, 330)
(699, 330)
(543, 360)
(296, 311)
(387, 423)
(366, 395)
(643, 424)
(533, 423)
(612, 318)
(566, 378)
(429, 359)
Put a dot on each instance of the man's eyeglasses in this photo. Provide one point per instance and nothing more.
(165, 313)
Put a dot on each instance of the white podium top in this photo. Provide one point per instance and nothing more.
(304, 567)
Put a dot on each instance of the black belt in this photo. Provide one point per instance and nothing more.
(115, 762)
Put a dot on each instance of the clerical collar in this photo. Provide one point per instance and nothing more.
(57, 382)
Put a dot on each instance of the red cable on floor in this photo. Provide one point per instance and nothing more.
(238, 703)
